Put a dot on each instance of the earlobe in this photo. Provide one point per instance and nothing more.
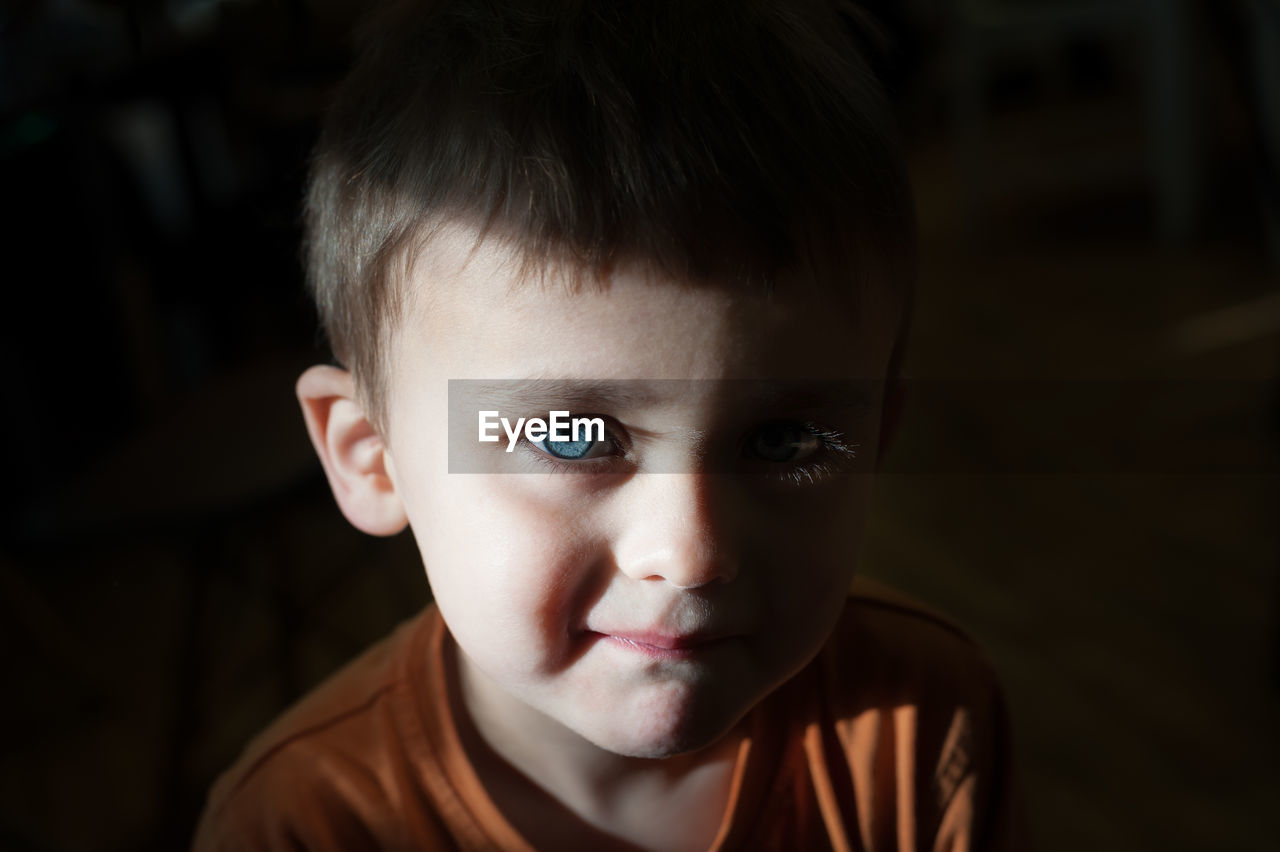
(353, 455)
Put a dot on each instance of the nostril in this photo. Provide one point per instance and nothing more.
(684, 569)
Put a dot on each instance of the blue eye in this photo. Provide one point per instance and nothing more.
(783, 442)
(585, 448)
(569, 450)
(597, 449)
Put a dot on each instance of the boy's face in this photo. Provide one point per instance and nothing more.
(704, 556)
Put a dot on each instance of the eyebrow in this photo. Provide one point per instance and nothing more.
(837, 395)
(571, 393)
(616, 394)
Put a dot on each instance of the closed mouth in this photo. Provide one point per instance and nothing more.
(664, 645)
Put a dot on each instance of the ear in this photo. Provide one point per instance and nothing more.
(352, 453)
(895, 402)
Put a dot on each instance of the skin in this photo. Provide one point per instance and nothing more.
(554, 584)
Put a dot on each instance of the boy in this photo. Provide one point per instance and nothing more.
(685, 223)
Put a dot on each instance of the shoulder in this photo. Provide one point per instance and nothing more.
(311, 778)
(899, 678)
(888, 647)
(889, 653)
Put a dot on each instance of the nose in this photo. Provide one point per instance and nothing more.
(677, 531)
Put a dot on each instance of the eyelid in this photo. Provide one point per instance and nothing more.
(830, 437)
(542, 447)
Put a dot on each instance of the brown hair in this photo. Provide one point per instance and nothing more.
(711, 138)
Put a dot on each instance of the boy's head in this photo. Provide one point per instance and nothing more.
(685, 218)
(713, 140)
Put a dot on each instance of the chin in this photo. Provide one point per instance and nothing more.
(663, 732)
(659, 749)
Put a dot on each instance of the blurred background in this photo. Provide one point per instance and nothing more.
(1086, 479)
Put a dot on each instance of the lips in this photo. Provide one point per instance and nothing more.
(666, 646)
(665, 641)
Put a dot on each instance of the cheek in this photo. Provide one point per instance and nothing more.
(511, 568)
(809, 556)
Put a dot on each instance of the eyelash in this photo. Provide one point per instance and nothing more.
(836, 455)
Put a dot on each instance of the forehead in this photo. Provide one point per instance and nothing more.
(473, 310)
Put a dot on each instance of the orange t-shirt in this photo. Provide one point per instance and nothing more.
(894, 737)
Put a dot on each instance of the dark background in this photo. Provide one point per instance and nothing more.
(1100, 220)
